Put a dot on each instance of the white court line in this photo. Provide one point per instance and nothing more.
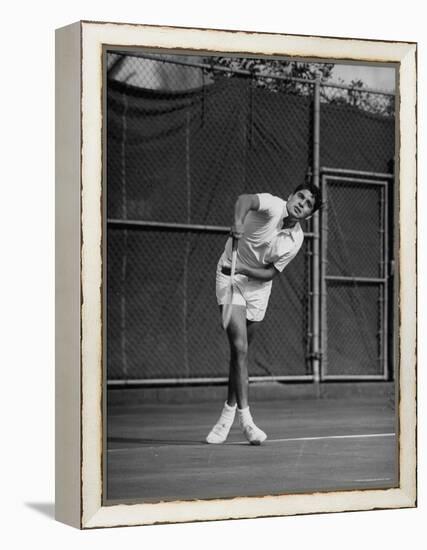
(318, 438)
(373, 479)
(359, 436)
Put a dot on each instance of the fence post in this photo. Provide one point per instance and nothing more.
(323, 273)
(316, 239)
(124, 266)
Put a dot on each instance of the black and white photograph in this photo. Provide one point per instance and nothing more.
(236, 275)
(250, 296)
(213, 275)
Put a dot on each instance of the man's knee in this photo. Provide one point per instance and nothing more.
(239, 347)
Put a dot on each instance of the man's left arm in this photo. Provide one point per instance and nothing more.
(261, 273)
(266, 273)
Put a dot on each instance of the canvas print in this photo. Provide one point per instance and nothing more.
(250, 295)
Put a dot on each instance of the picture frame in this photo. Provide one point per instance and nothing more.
(80, 272)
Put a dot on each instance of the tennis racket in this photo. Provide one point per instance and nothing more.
(227, 307)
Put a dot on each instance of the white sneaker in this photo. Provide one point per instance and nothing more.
(219, 432)
(253, 434)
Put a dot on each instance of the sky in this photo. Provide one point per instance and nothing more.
(375, 77)
(380, 78)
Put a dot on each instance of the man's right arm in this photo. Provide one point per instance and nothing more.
(243, 205)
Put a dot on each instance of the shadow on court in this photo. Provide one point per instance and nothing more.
(111, 441)
(157, 451)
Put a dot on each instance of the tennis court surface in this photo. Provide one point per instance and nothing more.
(156, 450)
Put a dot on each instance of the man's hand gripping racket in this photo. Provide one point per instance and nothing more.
(227, 307)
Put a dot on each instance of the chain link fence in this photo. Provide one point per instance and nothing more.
(185, 136)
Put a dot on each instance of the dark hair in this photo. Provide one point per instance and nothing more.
(314, 190)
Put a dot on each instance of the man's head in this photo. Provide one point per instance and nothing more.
(304, 201)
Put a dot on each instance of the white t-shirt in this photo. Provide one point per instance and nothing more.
(264, 241)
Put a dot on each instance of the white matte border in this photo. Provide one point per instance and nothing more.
(94, 36)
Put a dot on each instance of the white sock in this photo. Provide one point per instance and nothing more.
(228, 412)
(230, 408)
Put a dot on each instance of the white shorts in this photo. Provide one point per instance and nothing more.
(252, 294)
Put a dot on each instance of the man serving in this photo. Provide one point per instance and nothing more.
(269, 237)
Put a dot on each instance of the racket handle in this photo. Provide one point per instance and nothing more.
(227, 308)
(234, 244)
(233, 259)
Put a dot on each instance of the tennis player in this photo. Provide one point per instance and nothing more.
(269, 236)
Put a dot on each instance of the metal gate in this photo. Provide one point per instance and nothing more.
(354, 277)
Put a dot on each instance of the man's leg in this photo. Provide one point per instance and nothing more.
(253, 434)
(238, 375)
(238, 340)
(240, 333)
(250, 333)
